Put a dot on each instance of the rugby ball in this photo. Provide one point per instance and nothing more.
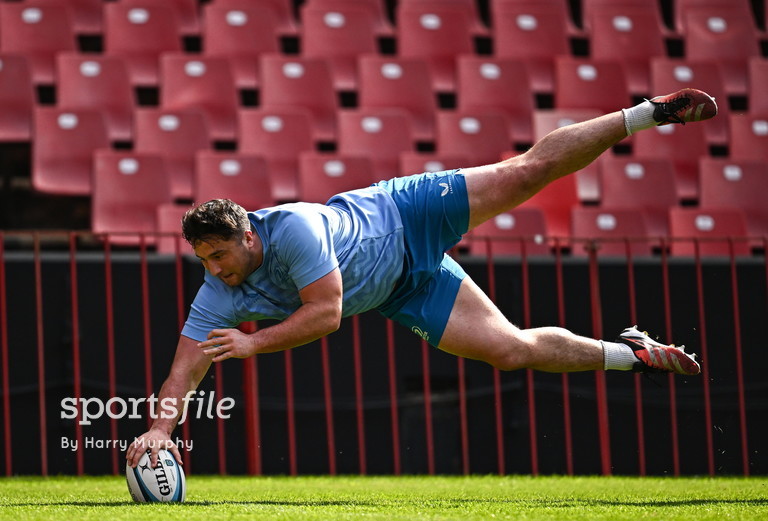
(165, 482)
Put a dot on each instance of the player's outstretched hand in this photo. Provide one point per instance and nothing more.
(227, 343)
(152, 440)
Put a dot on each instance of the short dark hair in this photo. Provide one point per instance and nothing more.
(216, 219)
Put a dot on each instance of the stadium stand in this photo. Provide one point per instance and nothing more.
(377, 9)
(487, 83)
(619, 229)
(589, 84)
(713, 229)
(742, 8)
(240, 35)
(231, 175)
(63, 146)
(758, 79)
(86, 15)
(749, 137)
(435, 32)
(86, 81)
(176, 136)
(534, 33)
(17, 99)
(121, 202)
(169, 226)
(37, 32)
(279, 136)
(187, 13)
(510, 233)
(139, 35)
(418, 162)
(287, 23)
(288, 81)
(201, 83)
(468, 7)
(381, 135)
(481, 136)
(338, 37)
(653, 8)
(322, 175)
(388, 81)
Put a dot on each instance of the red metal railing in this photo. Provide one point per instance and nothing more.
(252, 403)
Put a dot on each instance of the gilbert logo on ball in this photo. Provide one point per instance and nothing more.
(164, 482)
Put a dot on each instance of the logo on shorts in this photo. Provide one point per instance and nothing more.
(447, 188)
(423, 334)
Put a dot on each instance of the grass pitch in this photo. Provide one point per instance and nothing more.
(388, 498)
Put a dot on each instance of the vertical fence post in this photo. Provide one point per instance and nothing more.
(180, 317)
(393, 402)
(146, 323)
(76, 376)
(498, 405)
(7, 446)
(600, 386)
(565, 382)
(670, 376)
(111, 364)
(251, 406)
(428, 427)
(639, 420)
(359, 396)
(40, 356)
(290, 409)
(328, 397)
(739, 359)
(529, 379)
(705, 360)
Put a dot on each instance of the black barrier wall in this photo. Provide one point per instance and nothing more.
(434, 438)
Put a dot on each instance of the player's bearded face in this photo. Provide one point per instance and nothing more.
(231, 261)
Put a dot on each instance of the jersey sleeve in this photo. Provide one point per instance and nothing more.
(211, 309)
(304, 247)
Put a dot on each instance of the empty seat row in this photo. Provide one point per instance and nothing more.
(339, 30)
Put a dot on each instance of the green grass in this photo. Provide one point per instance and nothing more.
(387, 498)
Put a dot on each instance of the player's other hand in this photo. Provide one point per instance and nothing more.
(152, 440)
(227, 343)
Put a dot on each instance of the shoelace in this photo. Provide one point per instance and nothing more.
(670, 109)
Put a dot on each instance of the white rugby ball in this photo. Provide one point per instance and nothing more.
(165, 482)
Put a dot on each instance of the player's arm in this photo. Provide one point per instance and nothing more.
(318, 316)
(188, 369)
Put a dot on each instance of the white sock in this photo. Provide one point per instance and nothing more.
(617, 356)
(639, 117)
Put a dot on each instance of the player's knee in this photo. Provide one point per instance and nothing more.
(514, 354)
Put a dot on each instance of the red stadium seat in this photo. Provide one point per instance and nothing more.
(437, 33)
(86, 15)
(240, 35)
(486, 83)
(323, 175)
(683, 146)
(242, 178)
(589, 7)
(169, 238)
(418, 162)
(128, 187)
(712, 228)
(64, 142)
(176, 136)
(37, 32)
(381, 135)
(279, 136)
(17, 99)
(586, 84)
(724, 37)
(287, 25)
(338, 36)
(647, 185)
(204, 84)
(186, 11)
(612, 229)
(377, 9)
(139, 35)
(728, 183)
(670, 75)
(482, 137)
(681, 7)
(468, 7)
(556, 201)
(290, 81)
(387, 81)
(749, 137)
(758, 79)
(629, 35)
(560, 6)
(534, 33)
(86, 81)
(511, 232)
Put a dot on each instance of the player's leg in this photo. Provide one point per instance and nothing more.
(477, 329)
(499, 187)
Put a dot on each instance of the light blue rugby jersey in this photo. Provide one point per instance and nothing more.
(359, 231)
